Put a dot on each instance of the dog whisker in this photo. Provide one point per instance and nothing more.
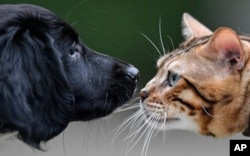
(72, 9)
(63, 144)
(87, 133)
(99, 130)
(106, 104)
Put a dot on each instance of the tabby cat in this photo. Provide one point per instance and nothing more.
(202, 86)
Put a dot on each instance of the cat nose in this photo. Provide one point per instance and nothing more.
(144, 94)
(133, 73)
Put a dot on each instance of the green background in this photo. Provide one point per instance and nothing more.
(113, 27)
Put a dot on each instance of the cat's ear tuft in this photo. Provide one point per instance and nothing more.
(193, 28)
(226, 46)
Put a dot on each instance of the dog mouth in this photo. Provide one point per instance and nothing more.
(124, 89)
(120, 94)
(114, 91)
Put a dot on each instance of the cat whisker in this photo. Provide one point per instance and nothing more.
(172, 43)
(132, 102)
(161, 40)
(121, 128)
(149, 135)
(129, 141)
(136, 122)
(128, 106)
(163, 126)
(152, 43)
(135, 132)
(205, 110)
(135, 99)
(131, 144)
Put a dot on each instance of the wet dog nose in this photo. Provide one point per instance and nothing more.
(133, 73)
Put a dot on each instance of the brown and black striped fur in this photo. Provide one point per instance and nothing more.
(209, 92)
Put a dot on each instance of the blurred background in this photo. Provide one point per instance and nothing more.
(114, 27)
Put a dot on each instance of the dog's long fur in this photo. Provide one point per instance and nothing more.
(48, 77)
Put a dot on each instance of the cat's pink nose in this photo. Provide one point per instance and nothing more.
(144, 94)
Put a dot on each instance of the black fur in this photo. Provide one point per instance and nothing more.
(48, 77)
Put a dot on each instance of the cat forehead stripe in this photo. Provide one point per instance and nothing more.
(186, 46)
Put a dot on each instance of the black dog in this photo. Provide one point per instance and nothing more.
(48, 77)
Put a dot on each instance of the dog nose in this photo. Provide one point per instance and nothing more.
(133, 73)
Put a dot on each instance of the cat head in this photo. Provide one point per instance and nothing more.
(204, 85)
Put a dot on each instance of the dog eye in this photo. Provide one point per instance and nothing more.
(172, 78)
(75, 52)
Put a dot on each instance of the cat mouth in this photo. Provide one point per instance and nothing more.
(162, 120)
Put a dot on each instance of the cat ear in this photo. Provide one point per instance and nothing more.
(225, 46)
(193, 28)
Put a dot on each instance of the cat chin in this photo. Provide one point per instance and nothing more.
(177, 123)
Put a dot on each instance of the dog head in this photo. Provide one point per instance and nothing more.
(48, 77)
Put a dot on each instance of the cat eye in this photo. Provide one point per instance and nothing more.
(172, 78)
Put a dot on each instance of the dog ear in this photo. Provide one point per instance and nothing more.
(35, 98)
